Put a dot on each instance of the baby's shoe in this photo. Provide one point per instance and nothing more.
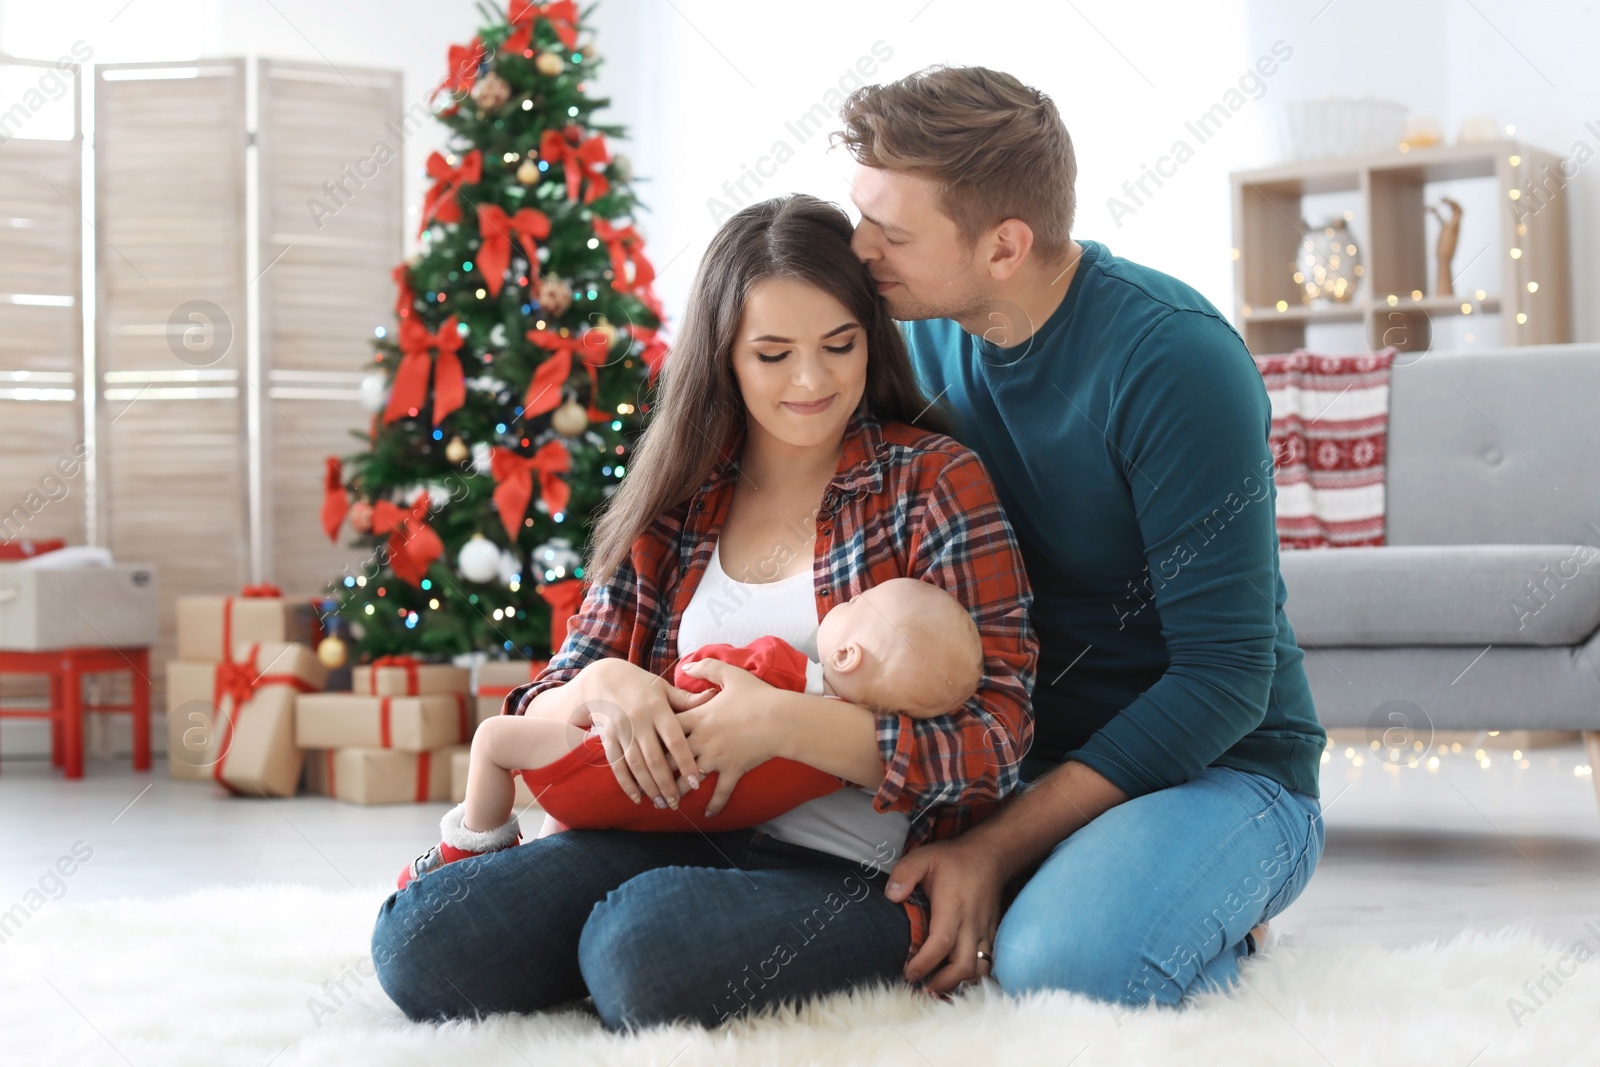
(459, 843)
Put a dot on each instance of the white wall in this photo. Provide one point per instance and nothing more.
(707, 87)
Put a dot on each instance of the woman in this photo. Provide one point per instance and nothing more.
(789, 440)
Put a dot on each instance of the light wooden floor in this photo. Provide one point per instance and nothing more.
(1412, 855)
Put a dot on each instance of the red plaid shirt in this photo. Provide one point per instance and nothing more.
(903, 503)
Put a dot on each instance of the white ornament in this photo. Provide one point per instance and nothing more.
(479, 560)
(482, 457)
(497, 335)
(510, 568)
(557, 559)
(373, 394)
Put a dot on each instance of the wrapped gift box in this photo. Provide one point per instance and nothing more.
(460, 758)
(496, 680)
(395, 676)
(191, 719)
(233, 722)
(406, 724)
(208, 625)
(379, 775)
(78, 607)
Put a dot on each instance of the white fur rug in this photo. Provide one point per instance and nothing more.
(251, 976)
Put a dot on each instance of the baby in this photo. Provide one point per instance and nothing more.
(902, 646)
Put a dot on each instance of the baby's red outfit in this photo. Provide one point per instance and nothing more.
(580, 791)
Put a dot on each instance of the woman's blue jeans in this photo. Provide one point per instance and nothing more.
(1151, 901)
(656, 927)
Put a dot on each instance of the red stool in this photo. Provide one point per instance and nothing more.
(66, 668)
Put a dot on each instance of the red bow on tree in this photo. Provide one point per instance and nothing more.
(544, 391)
(410, 389)
(335, 501)
(406, 297)
(441, 204)
(513, 475)
(462, 73)
(564, 598)
(626, 246)
(413, 546)
(562, 16)
(580, 158)
(495, 228)
(655, 349)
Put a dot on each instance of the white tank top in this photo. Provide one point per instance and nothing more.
(723, 611)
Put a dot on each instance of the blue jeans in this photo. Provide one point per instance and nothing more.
(655, 927)
(1151, 901)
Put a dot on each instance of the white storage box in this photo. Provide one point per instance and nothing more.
(88, 607)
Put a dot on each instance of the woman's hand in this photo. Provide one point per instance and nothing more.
(731, 732)
(964, 885)
(637, 714)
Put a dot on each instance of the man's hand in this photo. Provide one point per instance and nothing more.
(964, 885)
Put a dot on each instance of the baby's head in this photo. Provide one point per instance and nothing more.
(904, 645)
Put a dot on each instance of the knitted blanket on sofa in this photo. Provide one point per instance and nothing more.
(1330, 425)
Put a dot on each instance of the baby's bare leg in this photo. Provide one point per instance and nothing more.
(501, 745)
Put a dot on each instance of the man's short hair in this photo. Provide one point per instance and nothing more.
(996, 148)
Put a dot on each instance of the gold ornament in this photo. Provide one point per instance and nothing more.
(570, 419)
(549, 64)
(600, 337)
(456, 451)
(491, 92)
(555, 295)
(333, 653)
(528, 172)
(622, 168)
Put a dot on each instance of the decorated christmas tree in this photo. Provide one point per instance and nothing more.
(508, 396)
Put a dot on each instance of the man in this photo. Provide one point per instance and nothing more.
(1172, 804)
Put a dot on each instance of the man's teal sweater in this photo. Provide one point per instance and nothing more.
(1127, 439)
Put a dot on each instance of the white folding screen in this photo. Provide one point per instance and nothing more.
(233, 320)
(331, 211)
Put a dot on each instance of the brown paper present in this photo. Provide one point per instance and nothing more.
(406, 724)
(402, 676)
(254, 750)
(191, 719)
(379, 775)
(461, 759)
(497, 678)
(487, 708)
(199, 739)
(208, 625)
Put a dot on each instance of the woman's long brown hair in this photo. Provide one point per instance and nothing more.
(698, 406)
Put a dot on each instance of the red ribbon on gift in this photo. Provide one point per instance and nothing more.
(409, 392)
(424, 775)
(580, 158)
(463, 723)
(462, 63)
(413, 546)
(655, 349)
(335, 501)
(495, 228)
(627, 247)
(263, 590)
(237, 681)
(563, 597)
(385, 724)
(405, 663)
(562, 16)
(513, 475)
(441, 204)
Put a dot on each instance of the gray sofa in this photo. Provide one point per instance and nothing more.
(1483, 611)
